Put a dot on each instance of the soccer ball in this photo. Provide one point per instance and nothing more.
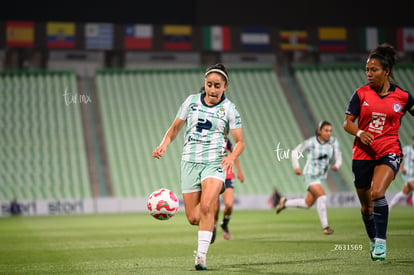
(162, 204)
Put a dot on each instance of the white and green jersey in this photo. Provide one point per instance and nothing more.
(320, 156)
(207, 128)
(408, 152)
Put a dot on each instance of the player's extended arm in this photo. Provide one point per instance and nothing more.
(169, 136)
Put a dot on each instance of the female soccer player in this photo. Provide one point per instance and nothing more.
(228, 195)
(407, 169)
(376, 153)
(208, 117)
(323, 152)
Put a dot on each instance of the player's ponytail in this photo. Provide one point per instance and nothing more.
(386, 54)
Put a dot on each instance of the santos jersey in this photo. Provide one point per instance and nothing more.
(380, 116)
(409, 161)
(321, 156)
(207, 128)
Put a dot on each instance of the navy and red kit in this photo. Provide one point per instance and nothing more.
(229, 147)
(381, 116)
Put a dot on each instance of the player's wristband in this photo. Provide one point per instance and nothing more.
(358, 134)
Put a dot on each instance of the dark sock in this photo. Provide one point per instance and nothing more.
(369, 225)
(225, 221)
(381, 217)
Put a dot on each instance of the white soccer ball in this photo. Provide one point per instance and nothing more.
(162, 204)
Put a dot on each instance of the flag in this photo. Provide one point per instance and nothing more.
(60, 35)
(138, 37)
(20, 34)
(255, 39)
(99, 36)
(293, 40)
(177, 37)
(332, 39)
(370, 37)
(216, 38)
(405, 39)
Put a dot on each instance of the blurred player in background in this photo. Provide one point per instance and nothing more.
(376, 154)
(228, 195)
(324, 152)
(274, 199)
(407, 170)
(208, 116)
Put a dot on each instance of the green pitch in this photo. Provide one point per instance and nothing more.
(261, 243)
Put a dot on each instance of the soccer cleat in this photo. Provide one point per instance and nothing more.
(200, 261)
(380, 250)
(213, 237)
(281, 205)
(226, 232)
(371, 248)
(327, 231)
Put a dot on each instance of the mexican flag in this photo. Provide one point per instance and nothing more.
(216, 38)
(370, 37)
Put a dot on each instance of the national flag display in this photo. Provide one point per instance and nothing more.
(177, 37)
(216, 38)
(405, 39)
(20, 34)
(99, 36)
(60, 35)
(255, 39)
(370, 37)
(138, 36)
(332, 39)
(293, 40)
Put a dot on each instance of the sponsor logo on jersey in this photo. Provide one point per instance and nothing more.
(377, 122)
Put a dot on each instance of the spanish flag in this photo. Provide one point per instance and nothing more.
(60, 35)
(20, 34)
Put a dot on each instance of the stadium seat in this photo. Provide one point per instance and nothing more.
(42, 140)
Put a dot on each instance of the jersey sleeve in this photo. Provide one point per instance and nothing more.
(184, 109)
(234, 118)
(354, 105)
(410, 104)
(337, 154)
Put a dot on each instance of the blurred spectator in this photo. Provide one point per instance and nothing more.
(15, 208)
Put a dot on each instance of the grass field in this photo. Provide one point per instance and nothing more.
(261, 243)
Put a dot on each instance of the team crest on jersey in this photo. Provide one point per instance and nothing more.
(396, 107)
(221, 112)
